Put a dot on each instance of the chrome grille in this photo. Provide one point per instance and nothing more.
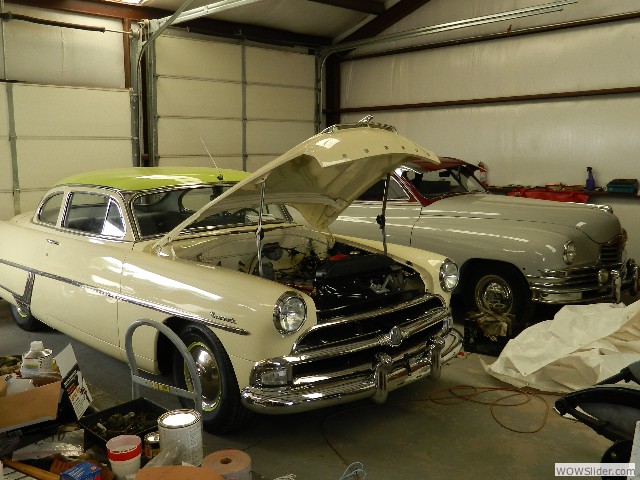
(611, 253)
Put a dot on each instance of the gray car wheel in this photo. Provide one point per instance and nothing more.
(500, 290)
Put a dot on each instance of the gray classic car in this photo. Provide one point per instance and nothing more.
(512, 252)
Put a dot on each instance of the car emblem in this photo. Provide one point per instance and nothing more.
(395, 337)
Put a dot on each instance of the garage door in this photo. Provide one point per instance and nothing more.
(245, 105)
(48, 132)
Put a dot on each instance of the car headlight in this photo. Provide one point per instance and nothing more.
(289, 313)
(449, 275)
(569, 252)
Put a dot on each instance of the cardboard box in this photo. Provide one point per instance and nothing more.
(50, 400)
(33, 406)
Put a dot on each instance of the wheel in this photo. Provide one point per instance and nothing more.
(26, 321)
(222, 410)
(500, 289)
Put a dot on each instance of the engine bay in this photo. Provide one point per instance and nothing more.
(341, 278)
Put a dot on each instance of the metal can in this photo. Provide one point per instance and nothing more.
(184, 428)
(151, 445)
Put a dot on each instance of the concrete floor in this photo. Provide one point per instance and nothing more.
(409, 437)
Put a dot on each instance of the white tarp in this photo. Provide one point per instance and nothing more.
(581, 346)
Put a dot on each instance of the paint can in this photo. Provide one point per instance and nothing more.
(151, 446)
(183, 428)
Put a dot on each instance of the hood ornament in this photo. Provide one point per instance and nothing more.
(395, 336)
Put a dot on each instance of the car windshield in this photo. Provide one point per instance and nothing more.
(159, 212)
(434, 183)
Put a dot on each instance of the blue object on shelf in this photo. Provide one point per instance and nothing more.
(623, 185)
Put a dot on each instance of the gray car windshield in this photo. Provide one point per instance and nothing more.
(433, 183)
(159, 212)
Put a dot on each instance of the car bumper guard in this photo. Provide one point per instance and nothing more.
(388, 374)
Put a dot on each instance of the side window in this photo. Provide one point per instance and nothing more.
(51, 208)
(376, 192)
(113, 225)
(95, 214)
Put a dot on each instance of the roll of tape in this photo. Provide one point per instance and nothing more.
(232, 464)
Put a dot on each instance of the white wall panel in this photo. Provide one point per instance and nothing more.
(52, 55)
(438, 13)
(60, 131)
(47, 111)
(44, 161)
(180, 137)
(520, 145)
(561, 61)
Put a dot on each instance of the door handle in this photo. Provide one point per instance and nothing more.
(52, 242)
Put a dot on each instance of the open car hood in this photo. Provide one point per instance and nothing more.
(321, 176)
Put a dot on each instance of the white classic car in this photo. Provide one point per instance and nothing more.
(279, 317)
(512, 252)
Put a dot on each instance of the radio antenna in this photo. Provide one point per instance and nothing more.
(220, 177)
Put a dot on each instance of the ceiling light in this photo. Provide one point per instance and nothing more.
(129, 2)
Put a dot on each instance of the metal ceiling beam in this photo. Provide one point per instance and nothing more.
(366, 6)
(204, 26)
(390, 17)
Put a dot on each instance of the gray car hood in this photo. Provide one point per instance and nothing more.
(597, 224)
(321, 176)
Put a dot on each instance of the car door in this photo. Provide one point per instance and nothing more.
(359, 219)
(83, 264)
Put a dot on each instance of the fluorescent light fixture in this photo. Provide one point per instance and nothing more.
(128, 2)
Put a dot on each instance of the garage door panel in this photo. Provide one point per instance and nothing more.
(4, 120)
(265, 66)
(6, 205)
(185, 57)
(30, 199)
(233, 162)
(68, 111)
(199, 98)
(43, 162)
(276, 137)
(280, 103)
(182, 136)
(6, 172)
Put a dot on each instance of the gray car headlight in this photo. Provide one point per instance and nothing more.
(289, 313)
(449, 275)
(569, 252)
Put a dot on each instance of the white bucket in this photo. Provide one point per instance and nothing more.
(184, 428)
(124, 453)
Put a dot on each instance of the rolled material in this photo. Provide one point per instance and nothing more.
(231, 464)
(30, 470)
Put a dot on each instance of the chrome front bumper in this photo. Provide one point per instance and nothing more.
(386, 375)
(585, 284)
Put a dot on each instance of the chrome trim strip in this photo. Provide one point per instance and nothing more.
(26, 297)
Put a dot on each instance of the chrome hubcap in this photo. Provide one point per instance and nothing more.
(494, 294)
(209, 375)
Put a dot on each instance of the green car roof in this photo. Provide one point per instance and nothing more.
(147, 178)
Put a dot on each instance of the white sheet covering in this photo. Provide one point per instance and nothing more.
(581, 346)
